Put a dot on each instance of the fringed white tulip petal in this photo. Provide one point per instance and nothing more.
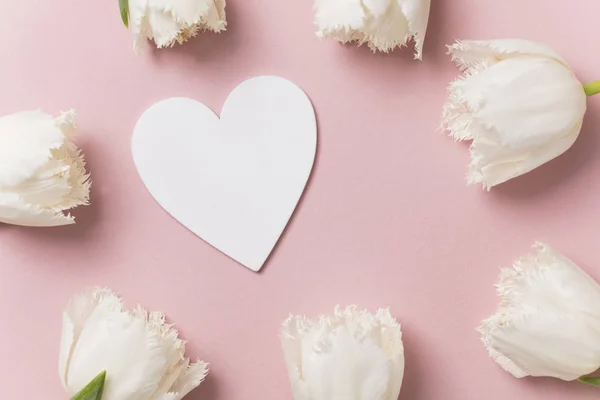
(292, 334)
(520, 110)
(26, 141)
(338, 16)
(61, 184)
(182, 377)
(391, 342)
(384, 28)
(323, 356)
(534, 101)
(166, 30)
(548, 322)
(209, 14)
(15, 211)
(492, 165)
(346, 360)
(176, 368)
(382, 24)
(75, 316)
(417, 14)
(191, 377)
(118, 342)
(139, 24)
(42, 173)
(142, 355)
(168, 396)
(67, 339)
(167, 22)
(475, 54)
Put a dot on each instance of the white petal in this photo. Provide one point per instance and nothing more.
(67, 341)
(138, 24)
(176, 368)
(169, 21)
(182, 377)
(292, 334)
(323, 356)
(168, 396)
(74, 318)
(192, 376)
(475, 54)
(26, 141)
(492, 165)
(382, 24)
(136, 349)
(210, 13)
(384, 31)
(15, 211)
(391, 342)
(60, 184)
(548, 323)
(527, 101)
(335, 15)
(120, 344)
(328, 371)
(417, 14)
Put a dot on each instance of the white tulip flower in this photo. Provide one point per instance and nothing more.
(42, 173)
(142, 355)
(169, 21)
(351, 355)
(382, 24)
(548, 321)
(520, 104)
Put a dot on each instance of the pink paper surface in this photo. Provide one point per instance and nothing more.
(386, 219)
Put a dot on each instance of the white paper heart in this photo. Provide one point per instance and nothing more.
(234, 181)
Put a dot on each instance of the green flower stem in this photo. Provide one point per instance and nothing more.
(590, 380)
(592, 88)
(94, 389)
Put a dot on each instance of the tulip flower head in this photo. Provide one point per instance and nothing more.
(167, 22)
(519, 103)
(351, 355)
(382, 24)
(42, 173)
(548, 322)
(141, 354)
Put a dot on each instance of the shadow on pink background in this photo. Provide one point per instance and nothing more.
(385, 221)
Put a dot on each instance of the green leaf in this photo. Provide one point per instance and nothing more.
(590, 380)
(124, 6)
(94, 389)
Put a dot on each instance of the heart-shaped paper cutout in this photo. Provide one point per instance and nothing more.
(234, 181)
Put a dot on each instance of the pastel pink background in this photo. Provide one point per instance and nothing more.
(386, 219)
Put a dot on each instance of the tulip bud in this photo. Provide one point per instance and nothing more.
(351, 355)
(548, 321)
(42, 173)
(167, 22)
(382, 24)
(142, 355)
(518, 102)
